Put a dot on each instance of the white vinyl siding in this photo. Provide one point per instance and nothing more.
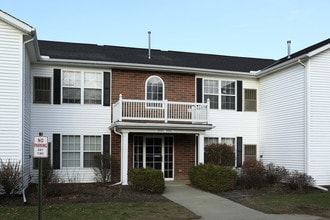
(282, 118)
(69, 119)
(235, 124)
(319, 118)
(11, 86)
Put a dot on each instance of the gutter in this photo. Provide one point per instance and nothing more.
(136, 66)
(266, 71)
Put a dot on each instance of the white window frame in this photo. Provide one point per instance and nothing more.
(94, 85)
(210, 140)
(81, 150)
(223, 94)
(219, 93)
(81, 85)
(224, 141)
(149, 102)
(207, 92)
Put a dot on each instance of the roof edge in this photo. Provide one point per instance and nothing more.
(136, 66)
(15, 22)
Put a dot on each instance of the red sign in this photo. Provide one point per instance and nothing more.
(40, 147)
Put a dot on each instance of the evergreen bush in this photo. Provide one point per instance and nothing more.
(212, 178)
(147, 180)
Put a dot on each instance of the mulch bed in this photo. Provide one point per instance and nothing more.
(68, 193)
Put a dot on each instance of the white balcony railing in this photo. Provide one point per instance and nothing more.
(145, 110)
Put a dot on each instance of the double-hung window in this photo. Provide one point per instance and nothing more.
(228, 141)
(82, 87)
(92, 88)
(220, 91)
(228, 92)
(71, 151)
(80, 151)
(71, 87)
(211, 92)
(210, 140)
(92, 147)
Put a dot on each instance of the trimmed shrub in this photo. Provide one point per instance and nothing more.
(147, 180)
(10, 176)
(252, 174)
(103, 167)
(275, 174)
(220, 154)
(300, 181)
(212, 178)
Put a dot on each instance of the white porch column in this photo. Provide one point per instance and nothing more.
(201, 148)
(124, 158)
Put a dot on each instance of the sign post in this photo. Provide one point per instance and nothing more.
(40, 150)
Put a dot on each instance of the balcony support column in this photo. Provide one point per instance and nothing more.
(124, 158)
(200, 148)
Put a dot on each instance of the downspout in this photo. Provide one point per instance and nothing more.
(120, 134)
(306, 113)
(23, 102)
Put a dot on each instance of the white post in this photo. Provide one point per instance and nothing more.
(120, 107)
(124, 158)
(201, 148)
(207, 110)
(165, 110)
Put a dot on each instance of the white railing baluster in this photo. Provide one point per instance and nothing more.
(166, 111)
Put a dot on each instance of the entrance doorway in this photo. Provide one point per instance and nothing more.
(155, 152)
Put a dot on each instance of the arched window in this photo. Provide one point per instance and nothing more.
(154, 89)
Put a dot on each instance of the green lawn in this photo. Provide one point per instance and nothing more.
(141, 210)
(317, 203)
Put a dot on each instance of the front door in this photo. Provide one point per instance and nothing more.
(154, 152)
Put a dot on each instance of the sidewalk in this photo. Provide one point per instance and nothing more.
(212, 207)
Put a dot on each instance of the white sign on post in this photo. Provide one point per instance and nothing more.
(40, 147)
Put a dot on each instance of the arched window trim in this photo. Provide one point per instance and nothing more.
(146, 87)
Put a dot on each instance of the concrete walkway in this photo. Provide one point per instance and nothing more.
(213, 207)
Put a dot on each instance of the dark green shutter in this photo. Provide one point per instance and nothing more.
(239, 95)
(199, 90)
(239, 152)
(56, 151)
(57, 87)
(106, 144)
(106, 89)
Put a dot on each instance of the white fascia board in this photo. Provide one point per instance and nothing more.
(318, 50)
(20, 25)
(160, 127)
(136, 66)
(282, 65)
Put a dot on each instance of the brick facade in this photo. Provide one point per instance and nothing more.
(178, 87)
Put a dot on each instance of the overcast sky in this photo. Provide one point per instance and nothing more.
(249, 28)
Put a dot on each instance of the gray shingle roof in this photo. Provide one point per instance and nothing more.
(300, 53)
(92, 52)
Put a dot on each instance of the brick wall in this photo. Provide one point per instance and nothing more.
(184, 155)
(178, 87)
(131, 84)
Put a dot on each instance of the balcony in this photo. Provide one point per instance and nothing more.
(160, 111)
